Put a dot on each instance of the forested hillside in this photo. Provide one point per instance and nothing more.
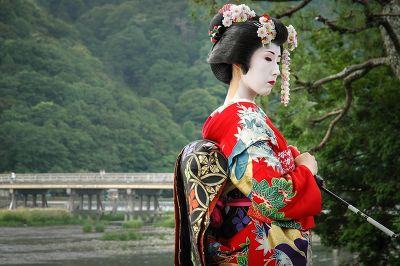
(89, 85)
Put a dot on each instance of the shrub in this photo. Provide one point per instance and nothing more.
(87, 227)
(99, 227)
(132, 235)
(26, 216)
(137, 223)
(119, 216)
(165, 221)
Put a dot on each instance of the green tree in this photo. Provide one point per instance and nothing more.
(345, 79)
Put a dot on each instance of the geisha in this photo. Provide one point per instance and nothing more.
(262, 212)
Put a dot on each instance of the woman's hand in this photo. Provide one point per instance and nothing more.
(308, 160)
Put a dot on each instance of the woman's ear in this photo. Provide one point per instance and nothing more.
(237, 69)
(234, 84)
(236, 66)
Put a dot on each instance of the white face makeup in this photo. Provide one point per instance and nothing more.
(262, 73)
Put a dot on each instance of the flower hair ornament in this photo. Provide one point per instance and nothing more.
(266, 31)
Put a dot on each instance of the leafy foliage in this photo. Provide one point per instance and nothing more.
(98, 85)
(360, 162)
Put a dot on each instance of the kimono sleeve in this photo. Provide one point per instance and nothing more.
(257, 172)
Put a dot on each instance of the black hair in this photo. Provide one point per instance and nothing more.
(237, 43)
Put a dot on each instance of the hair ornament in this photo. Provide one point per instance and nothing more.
(292, 44)
(285, 90)
(292, 37)
(266, 29)
(236, 13)
(214, 34)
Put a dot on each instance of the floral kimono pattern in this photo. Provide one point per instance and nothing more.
(273, 228)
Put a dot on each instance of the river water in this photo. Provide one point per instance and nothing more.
(67, 246)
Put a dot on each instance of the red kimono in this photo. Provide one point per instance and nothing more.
(268, 204)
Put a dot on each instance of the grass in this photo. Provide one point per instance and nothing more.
(54, 216)
(167, 220)
(118, 216)
(122, 235)
(99, 227)
(137, 223)
(30, 217)
(51, 216)
(87, 227)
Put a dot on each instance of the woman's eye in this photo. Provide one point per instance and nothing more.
(268, 59)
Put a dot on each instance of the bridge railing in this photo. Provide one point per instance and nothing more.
(87, 178)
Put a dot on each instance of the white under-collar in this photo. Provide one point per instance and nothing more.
(230, 102)
(236, 99)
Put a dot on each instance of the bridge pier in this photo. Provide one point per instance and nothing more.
(13, 199)
(152, 196)
(71, 199)
(90, 203)
(99, 207)
(80, 202)
(148, 202)
(25, 200)
(141, 202)
(130, 204)
(113, 197)
(34, 200)
(156, 203)
(90, 193)
(44, 201)
(25, 193)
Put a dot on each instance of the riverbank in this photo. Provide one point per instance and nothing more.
(67, 245)
(52, 245)
(52, 216)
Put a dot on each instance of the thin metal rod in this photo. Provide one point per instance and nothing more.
(360, 213)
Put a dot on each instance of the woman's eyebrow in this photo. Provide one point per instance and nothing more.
(273, 53)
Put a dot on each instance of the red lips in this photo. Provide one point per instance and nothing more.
(271, 82)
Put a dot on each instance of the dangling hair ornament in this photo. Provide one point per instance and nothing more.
(292, 43)
(266, 31)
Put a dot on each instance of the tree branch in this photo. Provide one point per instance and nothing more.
(350, 69)
(373, 62)
(325, 116)
(302, 84)
(383, 2)
(294, 9)
(298, 88)
(386, 15)
(347, 82)
(331, 25)
(373, 20)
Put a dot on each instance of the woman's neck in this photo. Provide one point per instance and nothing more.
(237, 89)
(243, 92)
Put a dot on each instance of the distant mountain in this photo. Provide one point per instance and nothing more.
(90, 85)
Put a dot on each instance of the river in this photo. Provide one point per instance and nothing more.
(66, 246)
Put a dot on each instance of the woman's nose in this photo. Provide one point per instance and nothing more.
(276, 70)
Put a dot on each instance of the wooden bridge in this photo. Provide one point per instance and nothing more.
(87, 181)
(135, 185)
